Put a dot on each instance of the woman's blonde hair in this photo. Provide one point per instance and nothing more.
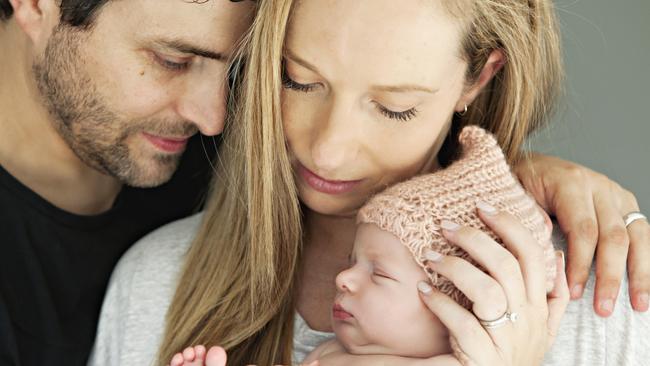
(238, 282)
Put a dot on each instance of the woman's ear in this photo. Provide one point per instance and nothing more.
(495, 62)
(36, 18)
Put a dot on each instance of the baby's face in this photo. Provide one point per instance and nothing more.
(378, 309)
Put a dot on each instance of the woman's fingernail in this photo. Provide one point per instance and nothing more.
(607, 305)
(433, 256)
(424, 287)
(576, 292)
(449, 225)
(643, 302)
(486, 208)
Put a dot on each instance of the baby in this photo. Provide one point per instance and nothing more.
(377, 310)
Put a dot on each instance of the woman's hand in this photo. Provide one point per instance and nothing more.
(516, 283)
(590, 208)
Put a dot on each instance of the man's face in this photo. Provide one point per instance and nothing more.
(127, 94)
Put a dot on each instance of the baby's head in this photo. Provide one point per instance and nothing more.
(377, 308)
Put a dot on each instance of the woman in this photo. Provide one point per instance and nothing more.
(352, 127)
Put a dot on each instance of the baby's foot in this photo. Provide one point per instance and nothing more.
(196, 356)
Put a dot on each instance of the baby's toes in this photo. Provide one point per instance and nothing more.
(177, 360)
(216, 357)
(199, 352)
(189, 355)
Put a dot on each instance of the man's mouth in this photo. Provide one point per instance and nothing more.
(168, 144)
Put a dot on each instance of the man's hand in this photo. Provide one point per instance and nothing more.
(590, 208)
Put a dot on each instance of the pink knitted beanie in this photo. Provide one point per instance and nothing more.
(413, 210)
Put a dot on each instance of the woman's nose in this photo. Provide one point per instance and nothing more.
(336, 142)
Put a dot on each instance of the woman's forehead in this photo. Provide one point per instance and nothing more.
(375, 37)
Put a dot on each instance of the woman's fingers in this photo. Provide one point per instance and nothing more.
(525, 248)
(463, 325)
(499, 262)
(487, 294)
(558, 299)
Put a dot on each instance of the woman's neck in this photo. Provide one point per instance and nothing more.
(329, 234)
(327, 245)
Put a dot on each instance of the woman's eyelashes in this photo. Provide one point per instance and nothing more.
(293, 85)
(403, 116)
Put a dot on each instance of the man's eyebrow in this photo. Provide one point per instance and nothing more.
(184, 47)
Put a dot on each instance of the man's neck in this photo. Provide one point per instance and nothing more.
(30, 147)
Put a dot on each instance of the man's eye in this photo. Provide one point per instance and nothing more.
(173, 65)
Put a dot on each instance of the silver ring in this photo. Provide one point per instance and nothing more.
(633, 216)
(501, 321)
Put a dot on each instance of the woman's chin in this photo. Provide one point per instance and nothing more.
(330, 205)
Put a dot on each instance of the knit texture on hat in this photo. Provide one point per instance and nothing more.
(413, 210)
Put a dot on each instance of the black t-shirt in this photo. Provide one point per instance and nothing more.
(54, 266)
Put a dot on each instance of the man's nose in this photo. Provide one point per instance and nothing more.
(204, 104)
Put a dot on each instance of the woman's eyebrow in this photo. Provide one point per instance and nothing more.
(403, 88)
(292, 56)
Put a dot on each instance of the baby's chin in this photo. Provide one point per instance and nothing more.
(407, 349)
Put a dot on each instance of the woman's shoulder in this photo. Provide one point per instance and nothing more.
(142, 285)
(162, 247)
(586, 339)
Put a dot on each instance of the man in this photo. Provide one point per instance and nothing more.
(99, 100)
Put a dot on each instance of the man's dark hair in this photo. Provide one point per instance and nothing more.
(78, 13)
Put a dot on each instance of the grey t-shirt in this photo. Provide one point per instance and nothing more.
(142, 285)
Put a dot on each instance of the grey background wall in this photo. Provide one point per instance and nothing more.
(604, 120)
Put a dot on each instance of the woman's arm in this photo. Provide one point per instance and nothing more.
(590, 208)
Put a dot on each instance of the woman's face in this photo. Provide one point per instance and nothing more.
(370, 87)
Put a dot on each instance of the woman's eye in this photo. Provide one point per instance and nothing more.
(289, 83)
(403, 116)
(172, 65)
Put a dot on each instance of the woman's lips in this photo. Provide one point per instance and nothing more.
(339, 313)
(326, 186)
(167, 144)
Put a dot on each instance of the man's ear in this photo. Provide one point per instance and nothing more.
(36, 18)
(494, 64)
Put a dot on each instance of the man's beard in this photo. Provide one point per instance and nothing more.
(93, 131)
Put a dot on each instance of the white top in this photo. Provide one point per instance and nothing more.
(144, 281)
